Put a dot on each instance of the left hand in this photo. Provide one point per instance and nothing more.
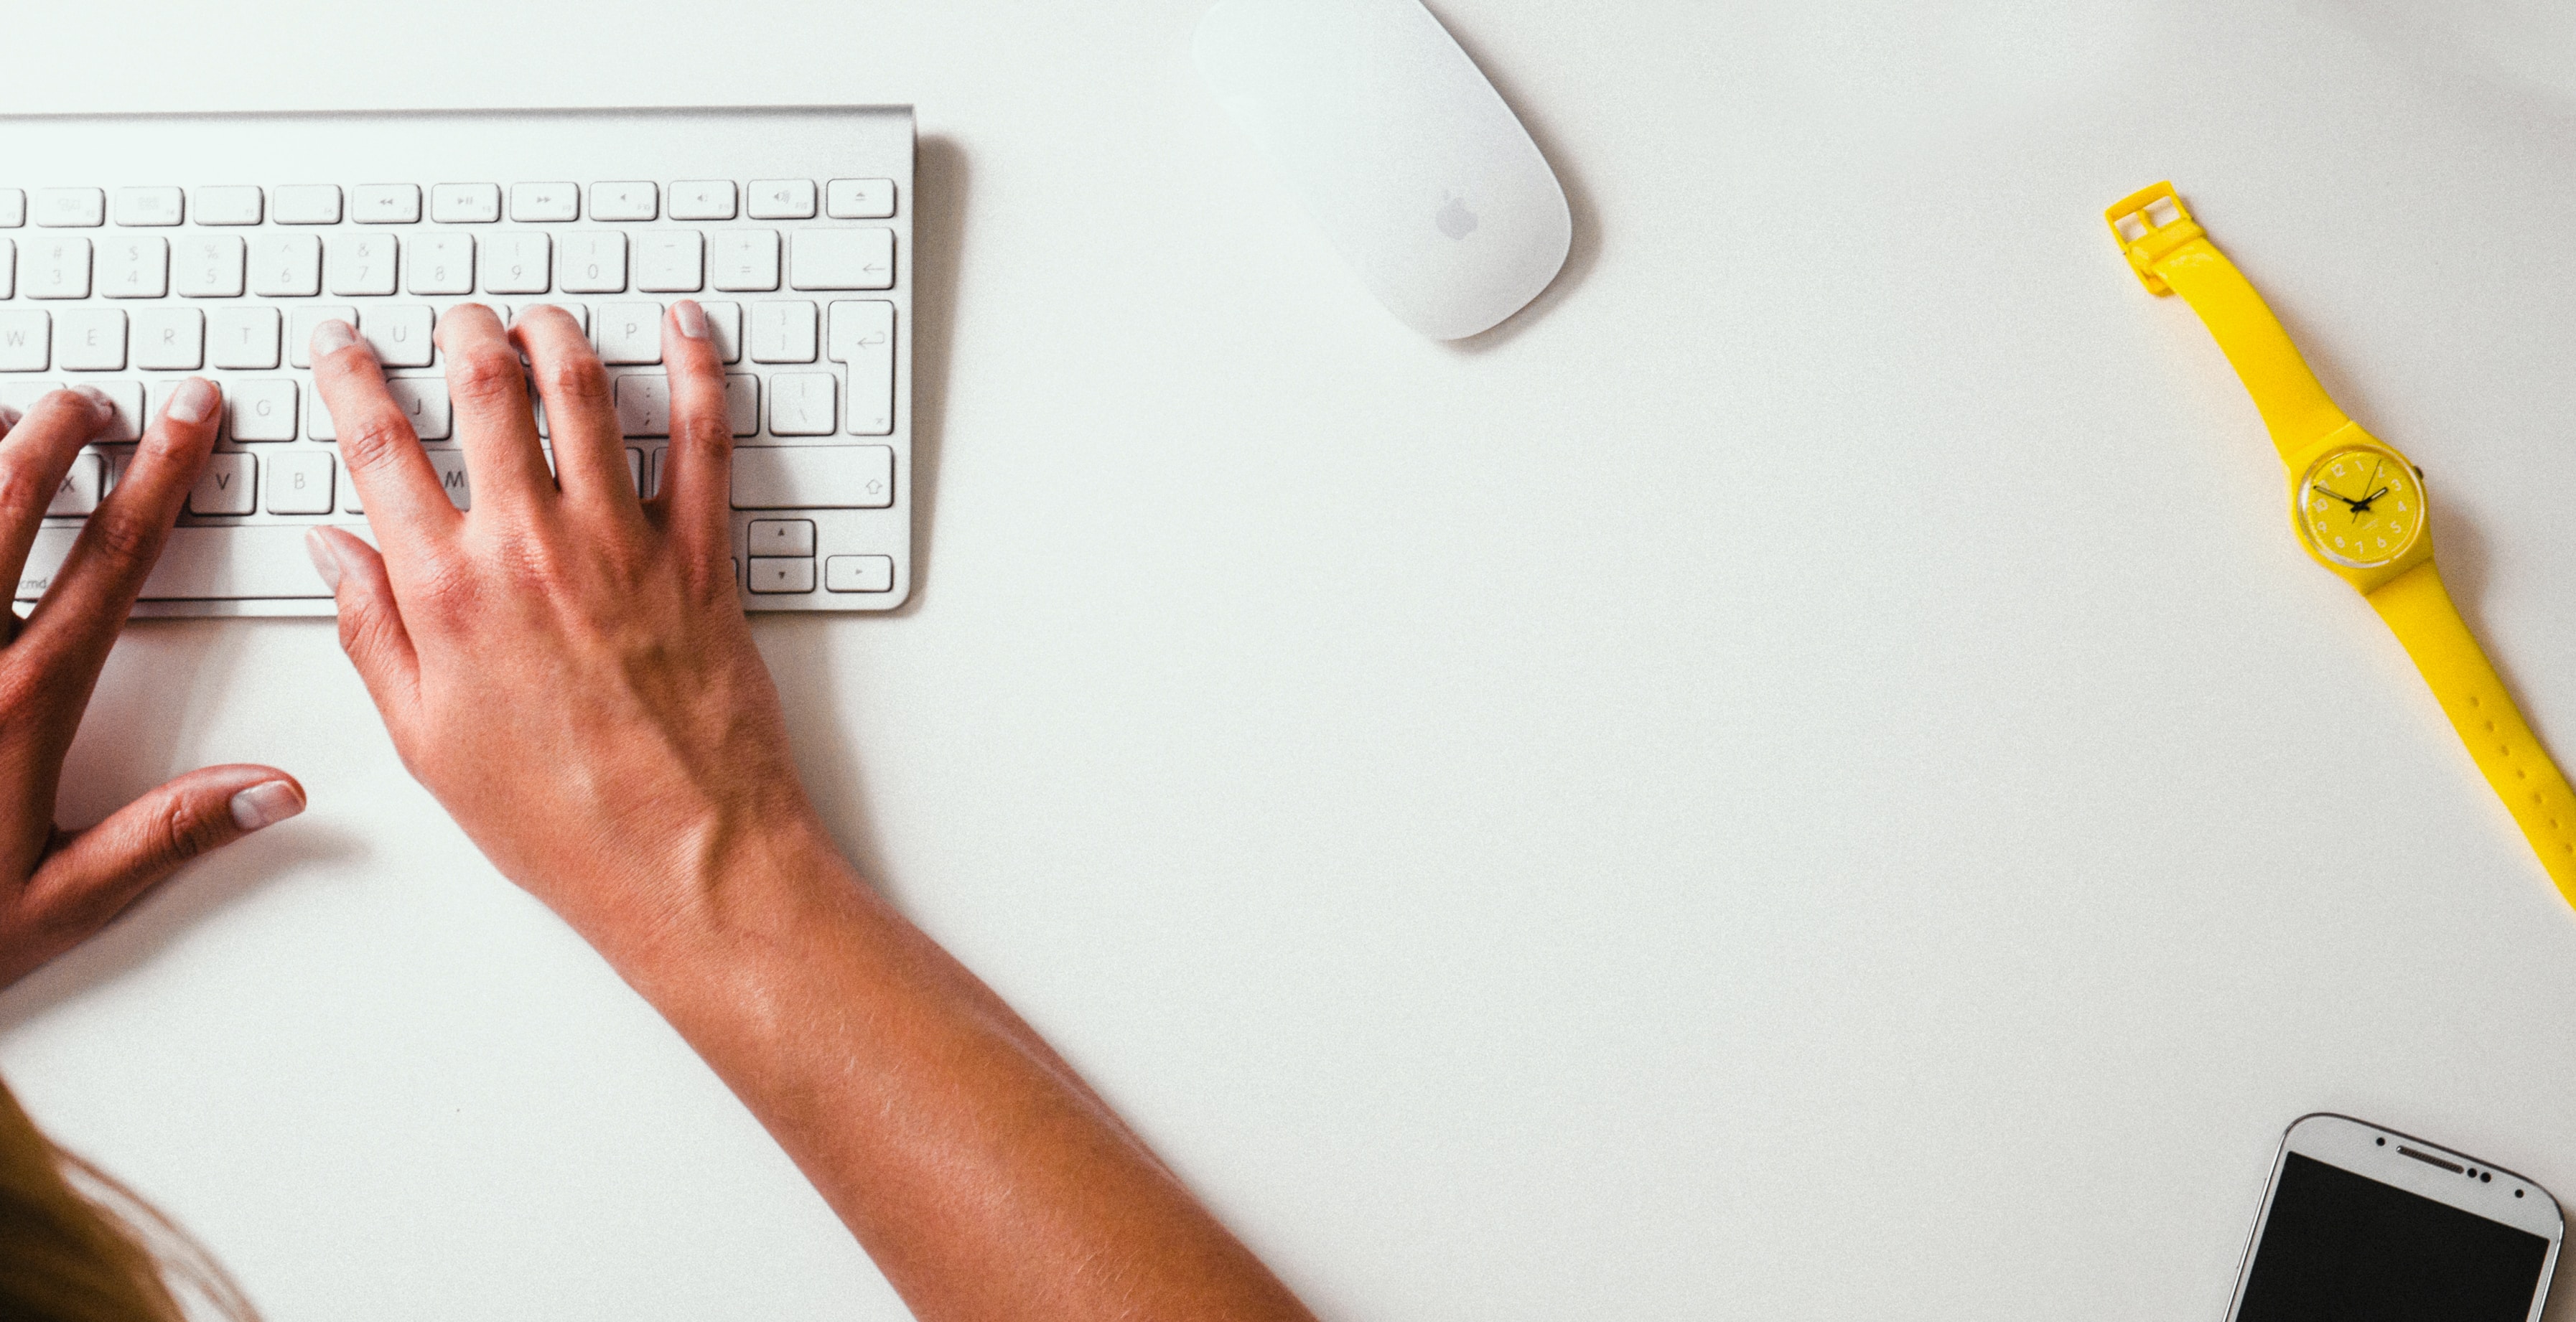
(57, 887)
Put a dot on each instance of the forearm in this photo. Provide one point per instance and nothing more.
(981, 1173)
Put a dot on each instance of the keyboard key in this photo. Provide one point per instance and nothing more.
(782, 199)
(702, 199)
(465, 204)
(242, 338)
(423, 399)
(786, 477)
(724, 326)
(859, 573)
(26, 340)
(770, 575)
(745, 260)
(125, 422)
(134, 266)
(13, 208)
(630, 333)
(286, 265)
(306, 204)
(260, 409)
(149, 206)
(594, 262)
(360, 264)
(668, 261)
(543, 202)
(398, 332)
(516, 262)
(384, 204)
(81, 487)
(633, 199)
(8, 268)
(54, 268)
(450, 467)
(780, 537)
(441, 263)
(226, 204)
(644, 404)
(782, 331)
(299, 328)
(802, 404)
(209, 266)
(169, 339)
(21, 393)
(228, 561)
(224, 485)
(742, 403)
(859, 199)
(70, 208)
(863, 336)
(841, 259)
(299, 482)
(92, 339)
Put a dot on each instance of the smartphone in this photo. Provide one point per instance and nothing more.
(2365, 1224)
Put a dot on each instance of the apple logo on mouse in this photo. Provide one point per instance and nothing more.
(1453, 217)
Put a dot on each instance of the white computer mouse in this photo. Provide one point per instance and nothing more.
(1420, 174)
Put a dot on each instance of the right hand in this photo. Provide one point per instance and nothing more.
(566, 667)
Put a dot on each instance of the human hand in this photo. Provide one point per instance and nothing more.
(56, 886)
(565, 666)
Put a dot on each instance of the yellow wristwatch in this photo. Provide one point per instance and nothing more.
(2358, 506)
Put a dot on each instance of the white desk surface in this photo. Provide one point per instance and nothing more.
(1805, 778)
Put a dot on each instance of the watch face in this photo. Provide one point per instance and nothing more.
(2361, 507)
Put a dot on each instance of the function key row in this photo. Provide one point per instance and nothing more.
(448, 204)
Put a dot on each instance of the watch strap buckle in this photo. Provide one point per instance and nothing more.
(2148, 225)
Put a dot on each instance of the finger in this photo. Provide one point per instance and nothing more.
(92, 875)
(371, 626)
(489, 388)
(35, 453)
(697, 471)
(405, 504)
(581, 417)
(9, 416)
(87, 604)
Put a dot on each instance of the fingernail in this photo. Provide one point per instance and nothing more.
(193, 401)
(99, 403)
(691, 317)
(265, 804)
(333, 336)
(326, 561)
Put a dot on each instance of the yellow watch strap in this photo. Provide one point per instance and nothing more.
(2173, 255)
(2419, 611)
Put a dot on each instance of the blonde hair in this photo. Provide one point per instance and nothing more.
(77, 1246)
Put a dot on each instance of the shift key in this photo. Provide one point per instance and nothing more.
(790, 477)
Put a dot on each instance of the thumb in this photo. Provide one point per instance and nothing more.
(92, 875)
(371, 627)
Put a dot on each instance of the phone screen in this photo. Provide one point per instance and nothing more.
(2340, 1247)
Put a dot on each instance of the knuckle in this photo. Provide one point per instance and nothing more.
(577, 380)
(485, 374)
(21, 488)
(372, 440)
(122, 538)
(180, 835)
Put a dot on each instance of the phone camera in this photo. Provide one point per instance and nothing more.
(2517, 1193)
(2487, 1178)
(2383, 1142)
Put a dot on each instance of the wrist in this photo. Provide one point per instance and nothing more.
(736, 878)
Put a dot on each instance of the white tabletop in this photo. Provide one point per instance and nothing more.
(1805, 777)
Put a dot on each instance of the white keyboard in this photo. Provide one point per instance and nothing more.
(138, 250)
